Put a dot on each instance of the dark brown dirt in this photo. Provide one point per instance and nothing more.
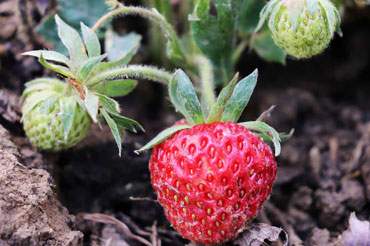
(324, 170)
(30, 213)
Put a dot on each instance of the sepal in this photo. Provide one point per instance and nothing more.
(68, 109)
(239, 98)
(42, 84)
(56, 68)
(162, 136)
(265, 13)
(72, 40)
(91, 104)
(114, 129)
(266, 132)
(217, 109)
(34, 99)
(109, 104)
(88, 66)
(91, 41)
(49, 55)
(184, 98)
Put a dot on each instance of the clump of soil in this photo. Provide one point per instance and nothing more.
(30, 213)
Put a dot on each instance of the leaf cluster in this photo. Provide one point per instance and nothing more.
(85, 62)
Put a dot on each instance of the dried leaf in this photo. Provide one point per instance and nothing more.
(257, 234)
(358, 233)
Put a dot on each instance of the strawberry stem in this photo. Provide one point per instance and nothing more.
(133, 71)
(152, 15)
(206, 79)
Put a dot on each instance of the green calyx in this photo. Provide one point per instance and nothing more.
(303, 28)
(75, 96)
(228, 108)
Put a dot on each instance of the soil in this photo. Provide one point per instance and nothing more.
(324, 169)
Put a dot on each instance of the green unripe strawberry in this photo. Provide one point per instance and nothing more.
(303, 28)
(46, 131)
(57, 113)
(52, 120)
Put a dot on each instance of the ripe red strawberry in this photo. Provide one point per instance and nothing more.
(212, 174)
(212, 179)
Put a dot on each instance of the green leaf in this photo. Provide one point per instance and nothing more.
(88, 66)
(218, 108)
(114, 129)
(267, 132)
(56, 68)
(110, 105)
(86, 11)
(240, 98)
(68, 110)
(214, 32)
(266, 48)
(73, 12)
(48, 55)
(126, 123)
(91, 41)
(92, 104)
(249, 15)
(184, 98)
(47, 29)
(162, 136)
(120, 49)
(72, 40)
(116, 88)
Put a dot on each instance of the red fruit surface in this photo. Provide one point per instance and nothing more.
(212, 179)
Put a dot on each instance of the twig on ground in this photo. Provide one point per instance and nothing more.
(103, 218)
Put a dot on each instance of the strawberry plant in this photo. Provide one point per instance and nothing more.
(57, 113)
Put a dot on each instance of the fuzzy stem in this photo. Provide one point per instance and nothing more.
(205, 69)
(152, 15)
(132, 71)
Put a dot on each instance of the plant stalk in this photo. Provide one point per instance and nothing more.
(132, 71)
(152, 15)
(205, 70)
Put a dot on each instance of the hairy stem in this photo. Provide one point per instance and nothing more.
(132, 71)
(205, 69)
(152, 15)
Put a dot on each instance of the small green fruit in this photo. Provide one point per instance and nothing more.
(303, 28)
(44, 120)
